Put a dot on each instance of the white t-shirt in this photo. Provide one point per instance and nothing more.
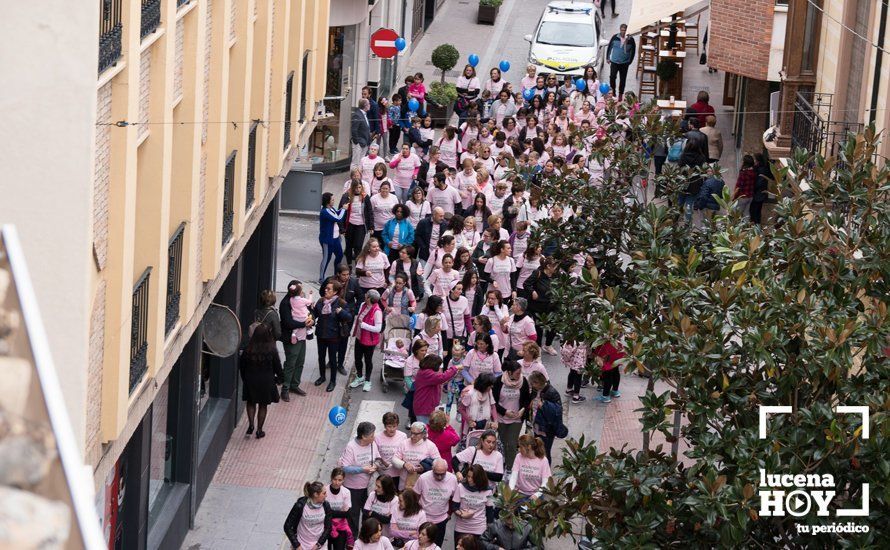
(356, 213)
(418, 211)
(405, 170)
(444, 198)
(376, 270)
(500, 271)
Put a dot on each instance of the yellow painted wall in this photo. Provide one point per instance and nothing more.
(156, 176)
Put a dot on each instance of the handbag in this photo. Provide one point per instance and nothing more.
(703, 59)
(466, 467)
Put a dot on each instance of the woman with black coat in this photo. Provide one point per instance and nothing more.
(331, 317)
(761, 188)
(358, 218)
(694, 156)
(538, 293)
(308, 525)
(259, 366)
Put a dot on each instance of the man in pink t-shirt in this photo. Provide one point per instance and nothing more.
(436, 488)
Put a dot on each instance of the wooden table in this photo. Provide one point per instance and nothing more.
(667, 33)
(670, 56)
(666, 104)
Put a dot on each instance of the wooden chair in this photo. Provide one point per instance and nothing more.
(648, 82)
(692, 35)
(647, 57)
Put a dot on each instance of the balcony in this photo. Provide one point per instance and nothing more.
(174, 278)
(813, 128)
(139, 331)
(151, 17)
(110, 33)
(228, 207)
(250, 191)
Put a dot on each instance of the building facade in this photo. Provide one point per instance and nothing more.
(168, 161)
(835, 75)
(746, 40)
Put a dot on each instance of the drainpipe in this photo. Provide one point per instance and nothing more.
(879, 58)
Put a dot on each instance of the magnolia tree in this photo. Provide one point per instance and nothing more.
(731, 317)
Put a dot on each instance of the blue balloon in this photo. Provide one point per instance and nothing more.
(504, 66)
(337, 415)
(473, 59)
(528, 94)
(580, 84)
(413, 104)
(400, 43)
(604, 88)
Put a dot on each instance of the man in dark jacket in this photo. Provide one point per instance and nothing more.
(428, 231)
(360, 132)
(506, 533)
(373, 113)
(620, 54)
(546, 406)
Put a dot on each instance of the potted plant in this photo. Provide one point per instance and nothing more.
(488, 11)
(444, 58)
(440, 102)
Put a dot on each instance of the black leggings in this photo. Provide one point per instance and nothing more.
(540, 332)
(757, 212)
(328, 349)
(364, 354)
(355, 238)
(338, 543)
(574, 383)
(611, 378)
(603, 7)
(358, 498)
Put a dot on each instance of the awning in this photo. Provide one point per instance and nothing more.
(648, 12)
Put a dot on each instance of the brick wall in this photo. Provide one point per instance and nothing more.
(144, 91)
(102, 176)
(94, 377)
(179, 58)
(208, 42)
(739, 36)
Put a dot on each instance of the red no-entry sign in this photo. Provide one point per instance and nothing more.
(383, 43)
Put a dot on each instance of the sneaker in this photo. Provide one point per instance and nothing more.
(616, 393)
(549, 350)
(569, 392)
(578, 398)
(367, 386)
(604, 399)
(357, 382)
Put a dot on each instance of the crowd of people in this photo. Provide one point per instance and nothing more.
(444, 232)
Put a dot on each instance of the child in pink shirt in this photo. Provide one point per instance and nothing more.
(531, 360)
(299, 309)
(574, 356)
(530, 469)
(417, 90)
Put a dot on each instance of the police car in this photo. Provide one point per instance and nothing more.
(567, 39)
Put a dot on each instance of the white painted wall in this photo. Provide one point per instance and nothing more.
(49, 55)
(777, 44)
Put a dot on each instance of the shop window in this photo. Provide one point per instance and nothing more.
(163, 440)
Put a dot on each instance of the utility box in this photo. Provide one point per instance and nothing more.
(301, 191)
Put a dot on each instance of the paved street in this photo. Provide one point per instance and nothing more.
(258, 480)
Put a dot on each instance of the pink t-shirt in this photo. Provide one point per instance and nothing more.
(529, 367)
(412, 365)
(341, 501)
(457, 327)
(435, 495)
(444, 198)
(368, 164)
(409, 452)
(373, 504)
(495, 315)
(466, 185)
(388, 447)
(528, 267)
(405, 527)
(414, 545)
(509, 400)
(474, 501)
(441, 281)
(500, 271)
(376, 270)
(492, 463)
(356, 455)
(521, 331)
(478, 363)
(531, 473)
(382, 209)
(382, 544)
(405, 169)
(311, 526)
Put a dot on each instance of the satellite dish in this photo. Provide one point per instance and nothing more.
(222, 331)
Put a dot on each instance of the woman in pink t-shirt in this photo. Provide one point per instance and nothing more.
(371, 537)
(469, 503)
(407, 518)
(483, 358)
(426, 538)
(389, 440)
(501, 267)
(484, 454)
(358, 460)
(531, 470)
(498, 315)
(340, 500)
(382, 501)
(308, 524)
(371, 266)
(530, 360)
(412, 453)
(521, 326)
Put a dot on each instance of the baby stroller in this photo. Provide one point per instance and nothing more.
(397, 328)
(472, 439)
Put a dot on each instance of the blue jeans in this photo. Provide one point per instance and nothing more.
(402, 194)
(327, 250)
(686, 202)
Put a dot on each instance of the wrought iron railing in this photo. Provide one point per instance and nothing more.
(174, 278)
(228, 213)
(250, 190)
(180, 3)
(288, 111)
(110, 33)
(151, 17)
(813, 128)
(139, 330)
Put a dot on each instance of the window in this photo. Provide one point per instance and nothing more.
(288, 112)
(161, 475)
(811, 37)
(139, 331)
(304, 75)
(250, 190)
(174, 277)
(228, 214)
(110, 33)
(558, 33)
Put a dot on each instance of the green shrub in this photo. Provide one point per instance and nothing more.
(442, 93)
(444, 58)
(491, 3)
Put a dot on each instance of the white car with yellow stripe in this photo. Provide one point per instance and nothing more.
(567, 39)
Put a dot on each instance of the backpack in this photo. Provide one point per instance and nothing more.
(675, 150)
(255, 324)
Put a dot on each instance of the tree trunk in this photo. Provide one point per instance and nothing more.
(650, 386)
